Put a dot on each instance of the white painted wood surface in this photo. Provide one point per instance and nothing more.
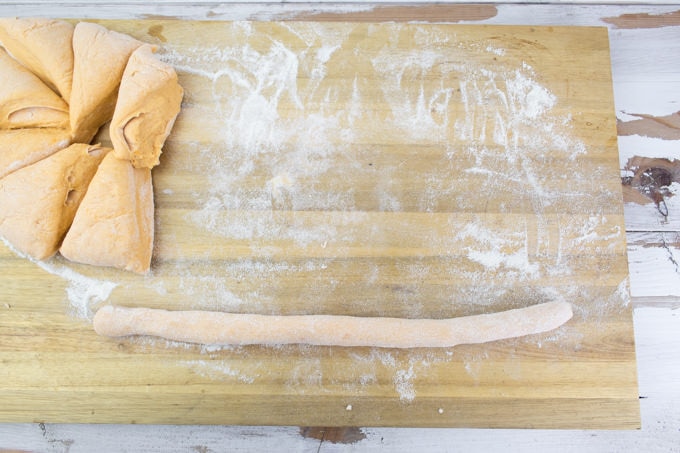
(646, 72)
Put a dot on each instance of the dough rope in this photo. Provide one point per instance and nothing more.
(217, 328)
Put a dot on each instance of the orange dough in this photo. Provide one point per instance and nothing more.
(60, 84)
(218, 328)
(114, 223)
(25, 101)
(44, 47)
(149, 101)
(100, 56)
(39, 201)
(22, 147)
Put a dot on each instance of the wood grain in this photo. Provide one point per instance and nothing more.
(389, 249)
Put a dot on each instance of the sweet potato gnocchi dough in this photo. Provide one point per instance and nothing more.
(59, 191)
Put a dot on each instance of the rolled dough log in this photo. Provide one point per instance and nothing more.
(149, 101)
(25, 101)
(114, 223)
(39, 201)
(100, 56)
(44, 47)
(218, 328)
(22, 147)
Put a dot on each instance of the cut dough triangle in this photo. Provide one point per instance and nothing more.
(22, 147)
(39, 201)
(149, 101)
(100, 56)
(44, 47)
(25, 101)
(114, 224)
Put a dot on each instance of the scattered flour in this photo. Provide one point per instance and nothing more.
(403, 383)
(83, 292)
(495, 50)
(218, 369)
(499, 251)
(597, 229)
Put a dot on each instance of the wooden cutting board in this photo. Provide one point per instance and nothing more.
(363, 169)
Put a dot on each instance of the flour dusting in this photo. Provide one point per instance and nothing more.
(220, 370)
(83, 292)
(495, 250)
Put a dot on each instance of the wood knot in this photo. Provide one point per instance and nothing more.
(652, 179)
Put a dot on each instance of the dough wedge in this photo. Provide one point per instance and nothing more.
(100, 56)
(44, 47)
(149, 101)
(40, 200)
(114, 225)
(22, 147)
(25, 101)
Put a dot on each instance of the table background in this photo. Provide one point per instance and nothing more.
(645, 53)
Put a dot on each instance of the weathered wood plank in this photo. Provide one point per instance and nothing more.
(654, 269)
